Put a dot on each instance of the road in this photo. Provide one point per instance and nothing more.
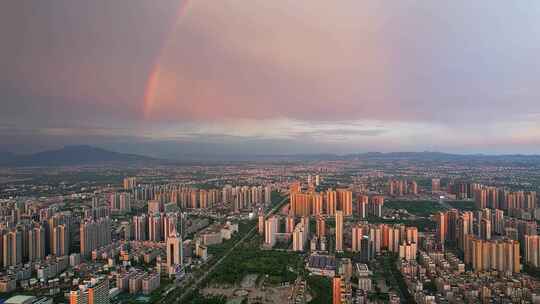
(250, 233)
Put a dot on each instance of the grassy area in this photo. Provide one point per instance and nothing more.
(200, 299)
(197, 298)
(532, 271)
(155, 296)
(384, 268)
(390, 269)
(418, 208)
(321, 289)
(279, 266)
(276, 197)
(462, 205)
(243, 228)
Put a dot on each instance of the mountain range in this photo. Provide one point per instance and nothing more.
(88, 155)
(71, 156)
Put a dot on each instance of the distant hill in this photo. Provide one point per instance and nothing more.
(88, 155)
(6, 157)
(435, 157)
(439, 156)
(72, 156)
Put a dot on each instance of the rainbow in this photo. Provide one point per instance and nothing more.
(153, 77)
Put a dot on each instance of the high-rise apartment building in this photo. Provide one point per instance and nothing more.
(130, 183)
(36, 244)
(357, 234)
(300, 237)
(336, 290)
(363, 202)
(441, 227)
(271, 226)
(435, 185)
(155, 228)
(12, 245)
(290, 223)
(60, 240)
(321, 227)
(331, 202)
(170, 224)
(532, 250)
(94, 234)
(140, 227)
(339, 231)
(260, 224)
(174, 252)
(341, 291)
(485, 229)
(268, 195)
(125, 202)
(95, 291)
(498, 255)
(344, 199)
(480, 198)
(377, 202)
(498, 221)
(318, 204)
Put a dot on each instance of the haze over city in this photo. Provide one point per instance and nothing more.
(270, 77)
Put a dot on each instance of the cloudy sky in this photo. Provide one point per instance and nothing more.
(255, 76)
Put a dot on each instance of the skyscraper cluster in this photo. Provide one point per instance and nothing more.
(156, 226)
(369, 240)
(238, 197)
(120, 201)
(130, 183)
(94, 234)
(402, 187)
(370, 205)
(488, 239)
(499, 255)
(494, 197)
(306, 203)
(32, 241)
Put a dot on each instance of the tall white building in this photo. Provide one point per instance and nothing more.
(339, 231)
(300, 237)
(270, 229)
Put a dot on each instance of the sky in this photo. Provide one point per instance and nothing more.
(171, 77)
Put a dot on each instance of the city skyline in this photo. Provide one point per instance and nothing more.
(355, 231)
(269, 151)
(317, 78)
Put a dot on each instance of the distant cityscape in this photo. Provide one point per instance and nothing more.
(341, 231)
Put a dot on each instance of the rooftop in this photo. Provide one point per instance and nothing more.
(20, 299)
